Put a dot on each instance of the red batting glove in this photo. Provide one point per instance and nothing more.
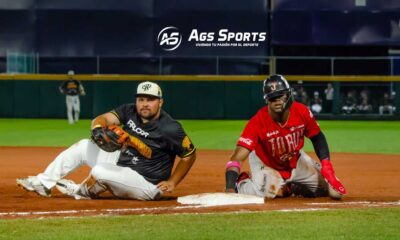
(329, 174)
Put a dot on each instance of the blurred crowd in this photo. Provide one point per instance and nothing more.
(353, 101)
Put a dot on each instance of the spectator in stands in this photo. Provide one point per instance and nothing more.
(316, 103)
(386, 105)
(304, 99)
(298, 88)
(329, 98)
(349, 103)
(301, 96)
(364, 94)
(364, 106)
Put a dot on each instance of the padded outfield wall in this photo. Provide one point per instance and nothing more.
(186, 96)
(201, 99)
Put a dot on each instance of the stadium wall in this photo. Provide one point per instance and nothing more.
(186, 97)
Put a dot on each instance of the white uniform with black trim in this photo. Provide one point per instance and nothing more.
(127, 173)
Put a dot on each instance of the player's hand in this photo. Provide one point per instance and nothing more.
(329, 174)
(166, 186)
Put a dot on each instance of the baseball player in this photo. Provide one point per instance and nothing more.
(133, 161)
(72, 88)
(273, 140)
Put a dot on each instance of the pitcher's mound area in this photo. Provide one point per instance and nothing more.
(372, 180)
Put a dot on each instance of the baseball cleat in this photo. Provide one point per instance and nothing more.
(32, 184)
(69, 188)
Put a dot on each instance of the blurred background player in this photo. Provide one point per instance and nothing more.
(328, 98)
(141, 169)
(316, 103)
(72, 88)
(386, 105)
(273, 140)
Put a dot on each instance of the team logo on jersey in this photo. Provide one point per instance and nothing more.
(297, 127)
(137, 130)
(270, 134)
(246, 141)
(187, 145)
(72, 85)
(135, 160)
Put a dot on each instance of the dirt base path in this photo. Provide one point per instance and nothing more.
(372, 180)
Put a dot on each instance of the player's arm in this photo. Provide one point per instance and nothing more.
(180, 172)
(61, 88)
(322, 150)
(233, 167)
(81, 89)
(105, 120)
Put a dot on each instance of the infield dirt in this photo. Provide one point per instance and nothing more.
(372, 180)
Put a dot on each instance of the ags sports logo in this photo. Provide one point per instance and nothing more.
(169, 38)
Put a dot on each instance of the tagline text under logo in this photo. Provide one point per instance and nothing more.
(170, 38)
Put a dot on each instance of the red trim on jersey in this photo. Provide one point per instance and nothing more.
(278, 146)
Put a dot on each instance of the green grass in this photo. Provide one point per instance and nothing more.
(343, 136)
(332, 224)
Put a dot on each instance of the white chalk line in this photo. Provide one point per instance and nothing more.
(303, 209)
(99, 212)
(363, 203)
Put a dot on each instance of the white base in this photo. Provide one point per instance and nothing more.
(219, 199)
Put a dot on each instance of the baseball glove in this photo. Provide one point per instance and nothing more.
(110, 138)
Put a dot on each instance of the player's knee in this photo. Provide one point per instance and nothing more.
(98, 172)
(270, 182)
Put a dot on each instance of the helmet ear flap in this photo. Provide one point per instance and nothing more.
(290, 99)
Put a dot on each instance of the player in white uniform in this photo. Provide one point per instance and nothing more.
(141, 172)
(72, 88)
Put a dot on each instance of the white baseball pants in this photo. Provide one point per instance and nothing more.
(266, 182)
(123, 182)
(73, 104)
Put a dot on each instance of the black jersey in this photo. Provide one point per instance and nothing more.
(71, 87)
(164, 136)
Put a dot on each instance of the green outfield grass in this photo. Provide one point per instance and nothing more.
(343, 136)
(333, 224)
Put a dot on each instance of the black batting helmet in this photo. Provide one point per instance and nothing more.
(275, 86)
